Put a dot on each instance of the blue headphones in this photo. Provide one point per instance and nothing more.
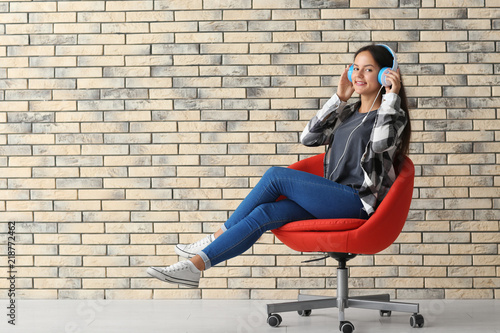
(382, 74)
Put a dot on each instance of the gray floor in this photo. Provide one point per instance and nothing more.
(173, 316)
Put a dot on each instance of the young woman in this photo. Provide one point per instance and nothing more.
(364, 139)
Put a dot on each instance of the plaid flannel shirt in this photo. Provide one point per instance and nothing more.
(377, 160)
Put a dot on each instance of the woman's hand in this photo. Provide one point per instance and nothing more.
(345, 89)
(394, 77)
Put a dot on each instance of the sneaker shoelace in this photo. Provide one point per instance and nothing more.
(202, 242)
(181, 265)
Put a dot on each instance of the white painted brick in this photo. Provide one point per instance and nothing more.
(129, 126)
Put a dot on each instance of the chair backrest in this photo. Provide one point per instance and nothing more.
(372, 235)
(385, 225)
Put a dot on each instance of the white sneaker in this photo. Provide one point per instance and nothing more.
(190, 250)
(183, 272)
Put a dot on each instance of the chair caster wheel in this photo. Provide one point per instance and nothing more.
(274, 320)
(304, 313)
(385, 313)
(346, 327)
(417, 320)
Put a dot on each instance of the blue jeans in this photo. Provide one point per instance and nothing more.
(308, 197)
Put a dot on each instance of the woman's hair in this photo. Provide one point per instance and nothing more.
(384, 58)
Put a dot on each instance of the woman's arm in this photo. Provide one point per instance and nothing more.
(319, 129)
(391, 119)
(389, 124)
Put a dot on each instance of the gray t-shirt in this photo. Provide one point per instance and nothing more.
(348, 147)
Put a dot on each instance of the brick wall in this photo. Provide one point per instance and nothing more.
(129, 126)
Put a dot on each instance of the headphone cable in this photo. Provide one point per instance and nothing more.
(349, 137)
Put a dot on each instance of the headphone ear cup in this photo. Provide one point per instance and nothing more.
(349, 72)
(382, 78)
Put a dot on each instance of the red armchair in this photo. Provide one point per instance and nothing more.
(343, 239)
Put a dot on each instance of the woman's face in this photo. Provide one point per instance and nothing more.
(365, 74)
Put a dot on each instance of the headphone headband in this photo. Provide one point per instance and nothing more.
(382, 74)
(394, 61)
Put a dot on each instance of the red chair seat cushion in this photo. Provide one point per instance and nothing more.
(353, 235)
(323, 225)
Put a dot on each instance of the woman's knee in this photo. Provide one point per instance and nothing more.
(273, 172)
(260, 216)
(269, 212)
(263, 211)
